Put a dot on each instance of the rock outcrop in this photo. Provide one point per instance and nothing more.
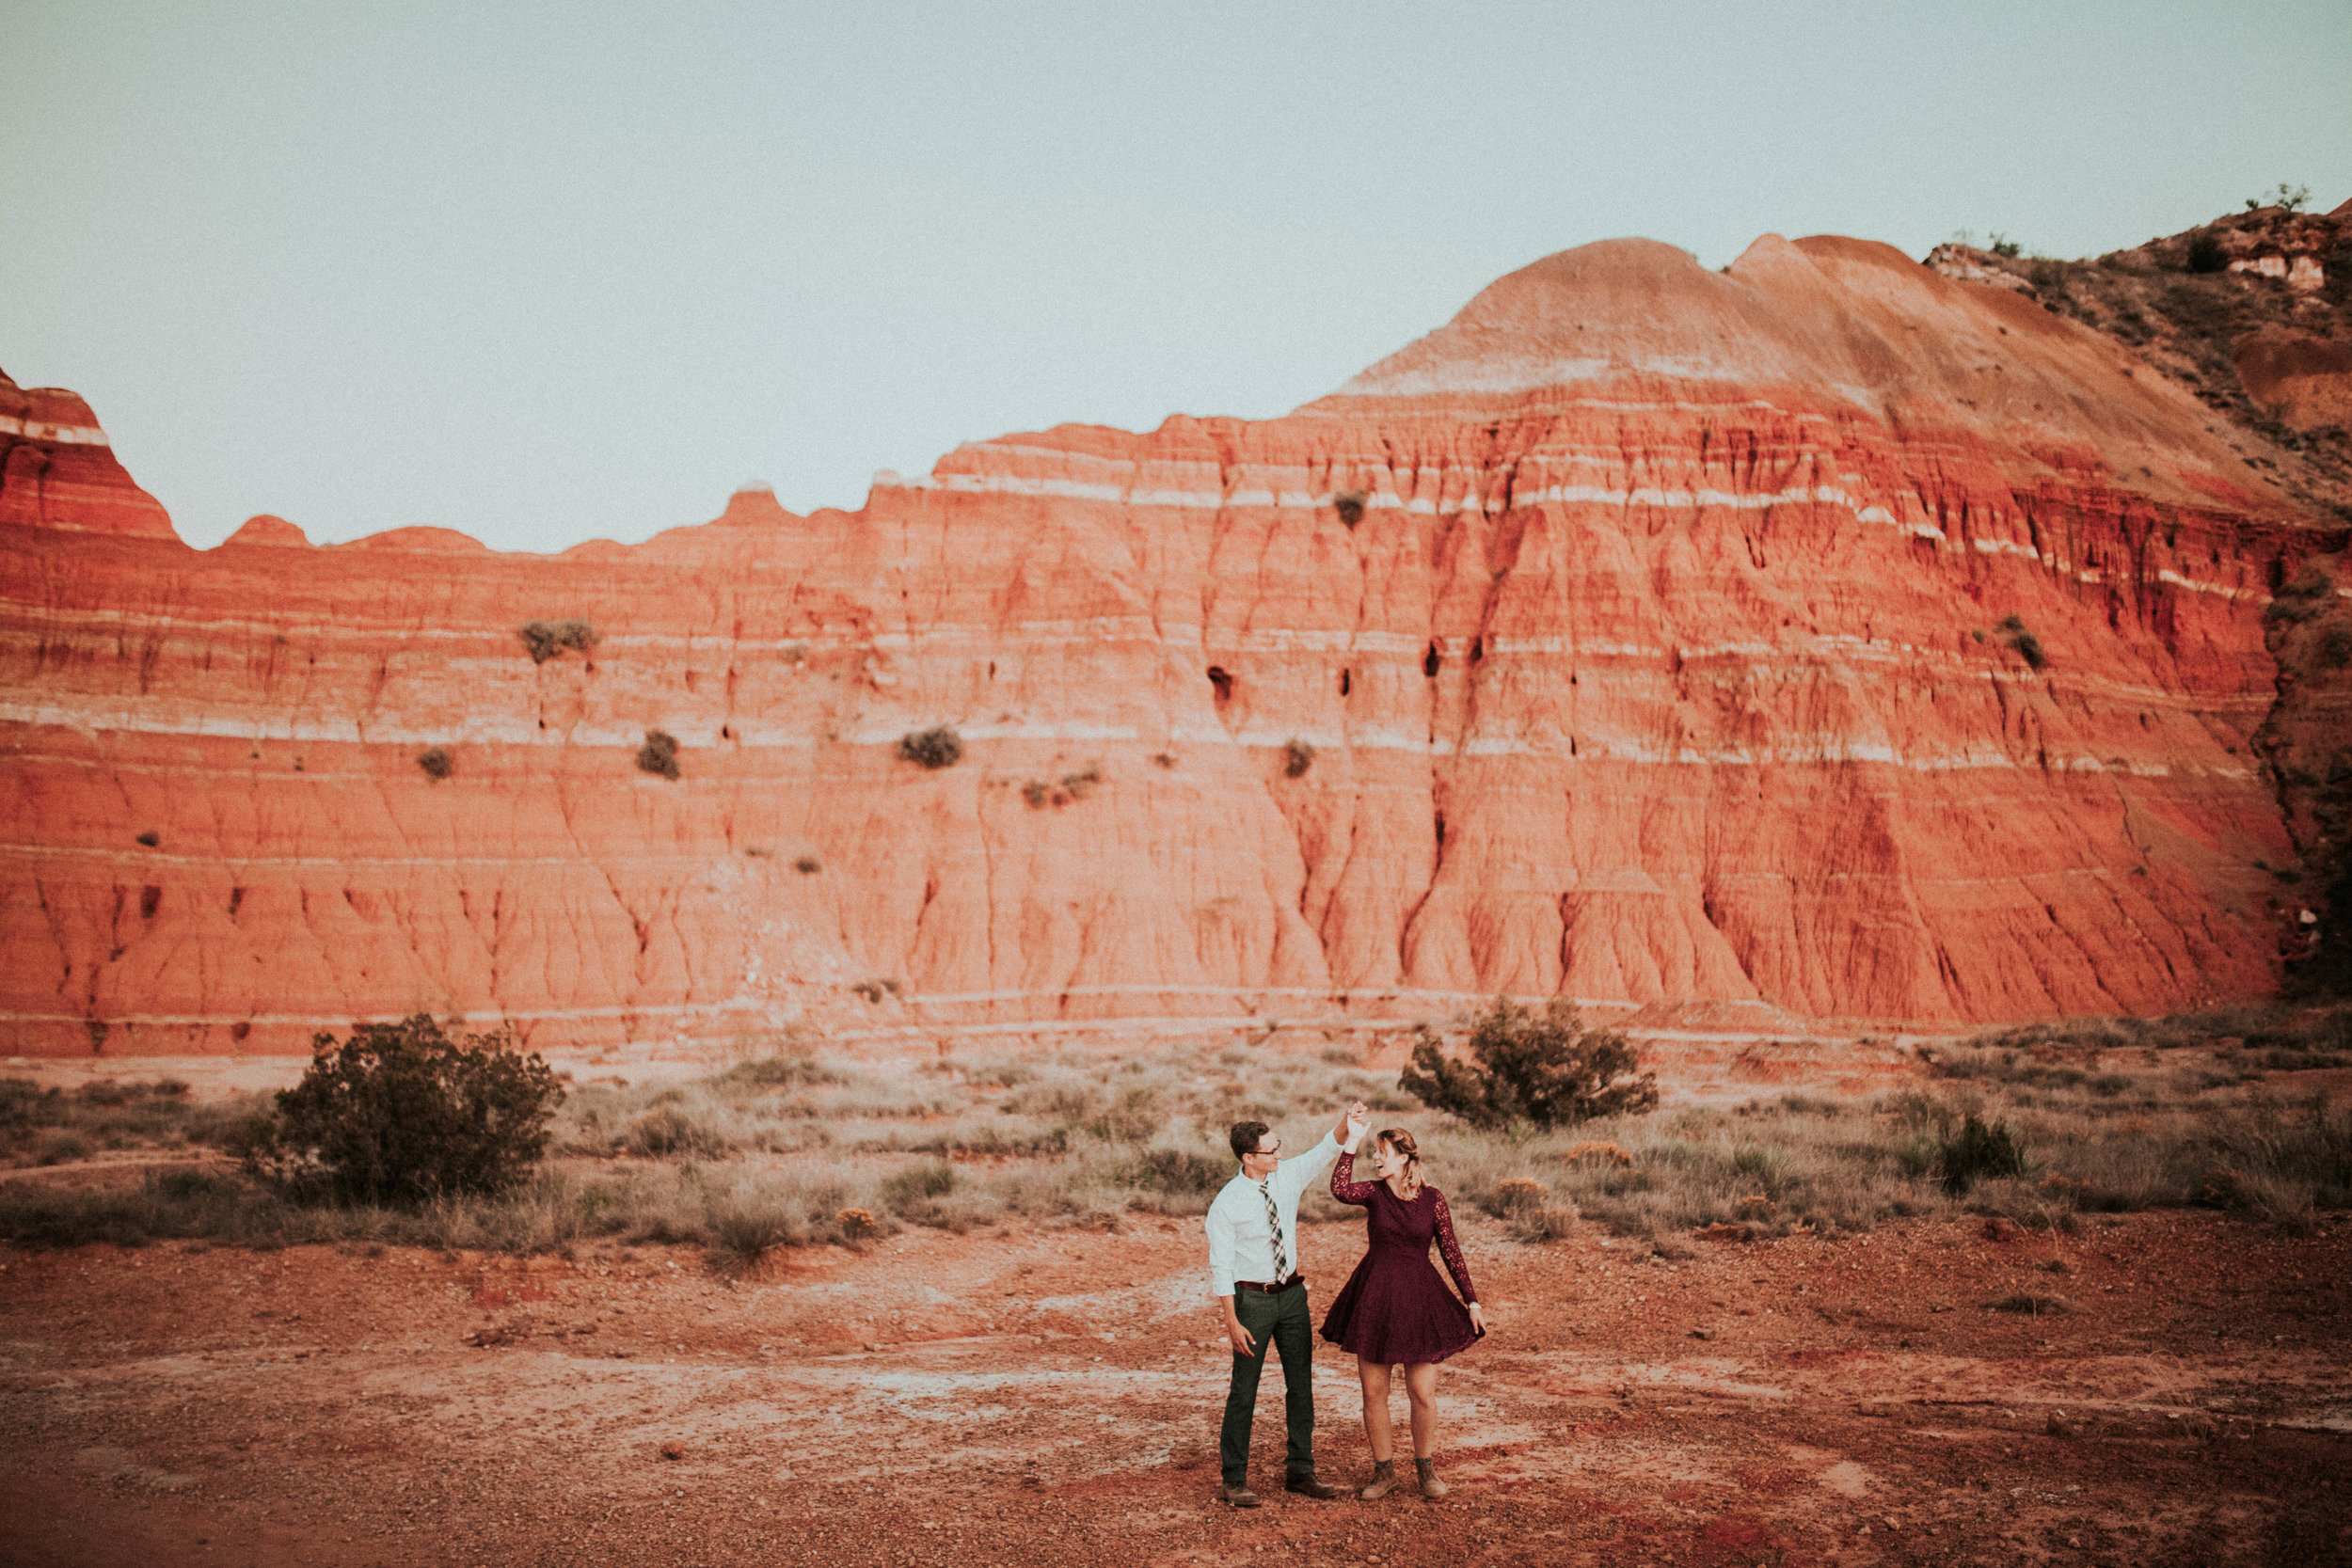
(1822, 637)
(56, 470)
(2249, 314)
(2303, 382)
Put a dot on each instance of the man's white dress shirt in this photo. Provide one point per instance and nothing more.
(1241, 1239)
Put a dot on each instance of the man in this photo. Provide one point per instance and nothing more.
(1253, 1270)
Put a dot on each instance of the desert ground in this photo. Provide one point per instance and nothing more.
(2170, 1385)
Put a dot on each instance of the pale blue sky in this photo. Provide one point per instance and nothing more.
(550, 274)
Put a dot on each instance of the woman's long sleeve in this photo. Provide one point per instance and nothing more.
(1346, 1191)
(1451, 1250)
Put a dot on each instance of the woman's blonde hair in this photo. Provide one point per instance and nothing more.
(1402, 1141)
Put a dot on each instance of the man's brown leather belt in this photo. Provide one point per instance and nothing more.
(1270, 1289)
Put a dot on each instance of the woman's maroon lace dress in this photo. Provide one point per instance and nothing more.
(1394, 1308)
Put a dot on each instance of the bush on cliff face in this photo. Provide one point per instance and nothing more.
(1545, 1067)
(937, 747)
(2029, 646)
(1298, 756)
(658, 754)
(2306, 598)
(436, 762)
(401, 1113)
(546, 639)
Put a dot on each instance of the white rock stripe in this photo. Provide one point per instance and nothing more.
(767, 1006)
(1819, 495)
(61, 434)
(1815, 651)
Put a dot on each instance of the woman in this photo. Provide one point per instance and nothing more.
(1394, 1309)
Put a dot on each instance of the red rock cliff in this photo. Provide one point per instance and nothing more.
(1821, 632)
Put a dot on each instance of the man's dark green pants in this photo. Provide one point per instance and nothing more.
(1284, 1319)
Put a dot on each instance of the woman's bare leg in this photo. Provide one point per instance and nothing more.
(1376, 1382)
(1420, 1387)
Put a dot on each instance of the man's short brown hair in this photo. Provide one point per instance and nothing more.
(1244, 1136)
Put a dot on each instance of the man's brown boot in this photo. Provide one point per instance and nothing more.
(1306, 1487)
(1238, 1497)
(1430, 1486)
(1383, 1481)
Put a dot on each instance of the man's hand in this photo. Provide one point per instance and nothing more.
(1239, 1337)
(1358, 1119)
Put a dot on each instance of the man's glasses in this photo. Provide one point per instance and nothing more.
(1276, 1149)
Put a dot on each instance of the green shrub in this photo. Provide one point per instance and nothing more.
(546, 639)
(436, 762)
(937, 747)
(401, 1114)
(1547, 1068)
(42, 1126)
(2286, 197)
(658, 754)
(1980, 1150)
(1179, 1172)
(165, 1204)
(913, 1188)
(60, 1149)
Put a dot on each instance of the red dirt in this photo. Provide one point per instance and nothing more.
(1031, 1397)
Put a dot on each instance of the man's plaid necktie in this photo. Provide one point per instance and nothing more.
(1274, 1223)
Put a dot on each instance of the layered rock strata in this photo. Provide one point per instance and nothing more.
(1822, 636)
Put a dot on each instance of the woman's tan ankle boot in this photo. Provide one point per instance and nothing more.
(1383, 1481)
(1430, 1486)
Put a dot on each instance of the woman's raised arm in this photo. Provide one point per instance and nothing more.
(1346, 1189)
